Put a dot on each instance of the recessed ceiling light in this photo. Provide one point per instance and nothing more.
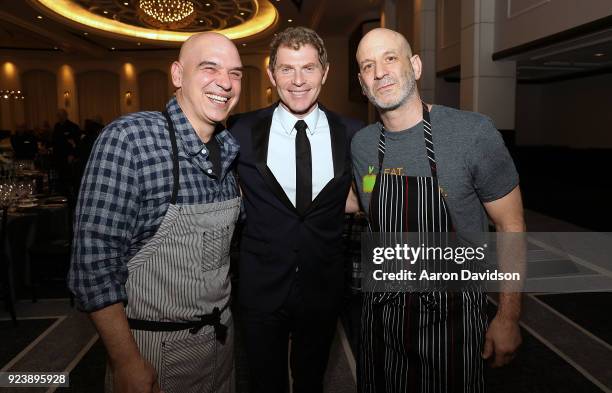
(85, 33)
(39, 17)
(599, 54)
(105, 12)
(289, 20)
(201, 21)
(207, 4)
(126, 3)
(138, 43)
(242, 13)
(113, 48)
(243, 44)
(55, 48)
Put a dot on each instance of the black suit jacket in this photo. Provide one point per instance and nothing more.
(277, 240)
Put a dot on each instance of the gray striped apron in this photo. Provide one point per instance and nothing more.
(178, 295)
(427, 341)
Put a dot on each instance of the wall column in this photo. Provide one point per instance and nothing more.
(487, 87)
(388, 14)
(424, 44)
(67, 95)
(128, 85)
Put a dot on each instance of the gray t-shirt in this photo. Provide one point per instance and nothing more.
(473, 163)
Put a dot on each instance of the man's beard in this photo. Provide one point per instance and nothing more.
(407, 89)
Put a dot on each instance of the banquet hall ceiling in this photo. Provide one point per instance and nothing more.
(28, 27)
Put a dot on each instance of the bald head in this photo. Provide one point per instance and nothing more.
(207, 76)
(194, 43)
(387, 70)
(385, 39)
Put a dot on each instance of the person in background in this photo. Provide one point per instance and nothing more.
(155, 216)
(64, 139)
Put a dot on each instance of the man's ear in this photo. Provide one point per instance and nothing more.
(325, 71)
(177, 74)
(417, 66)
(271, 76)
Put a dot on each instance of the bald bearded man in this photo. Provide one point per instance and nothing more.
(436, 169)
(155, 216)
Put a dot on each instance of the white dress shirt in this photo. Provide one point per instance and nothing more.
(281, 150)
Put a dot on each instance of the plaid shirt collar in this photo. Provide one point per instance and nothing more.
(192, 144)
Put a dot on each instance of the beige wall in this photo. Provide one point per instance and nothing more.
(127, 68)
(521, 21)
(67, 70)
(574, 113)
(11, 110)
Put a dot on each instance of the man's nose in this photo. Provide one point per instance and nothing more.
(379, 71)
(298, 79)
(224, 82)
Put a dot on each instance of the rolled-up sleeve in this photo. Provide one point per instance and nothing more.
(105, 217)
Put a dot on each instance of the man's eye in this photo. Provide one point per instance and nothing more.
(236, 75)
(391, 58)
(367, 67)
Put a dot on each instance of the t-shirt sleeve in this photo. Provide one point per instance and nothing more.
(493, 172)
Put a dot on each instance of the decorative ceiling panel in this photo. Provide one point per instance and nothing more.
(206, 16)
(165, 20)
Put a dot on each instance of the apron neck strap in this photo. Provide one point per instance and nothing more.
(429, 147)
(175, 162)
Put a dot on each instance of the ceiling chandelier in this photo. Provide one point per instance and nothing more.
(166, 14)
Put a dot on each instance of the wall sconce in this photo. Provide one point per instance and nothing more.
(66, 99)
(128, 98)
(269, 95)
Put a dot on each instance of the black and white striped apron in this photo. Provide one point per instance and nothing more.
(429, 341)
(178, 295)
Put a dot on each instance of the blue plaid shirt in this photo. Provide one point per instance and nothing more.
(125, 193)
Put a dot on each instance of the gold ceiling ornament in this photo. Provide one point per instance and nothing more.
(166, 14)
(236, 19)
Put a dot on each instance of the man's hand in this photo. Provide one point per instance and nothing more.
(501, 341)
(135, 376)
(131, 372)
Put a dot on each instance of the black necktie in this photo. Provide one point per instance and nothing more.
(303, 168)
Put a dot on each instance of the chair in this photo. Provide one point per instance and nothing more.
(50, 251)
(7, 288)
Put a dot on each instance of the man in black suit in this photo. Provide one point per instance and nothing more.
(295, 174)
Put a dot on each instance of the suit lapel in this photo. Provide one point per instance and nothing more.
(261, 137)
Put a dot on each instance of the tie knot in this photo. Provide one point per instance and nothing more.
(300, 126)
